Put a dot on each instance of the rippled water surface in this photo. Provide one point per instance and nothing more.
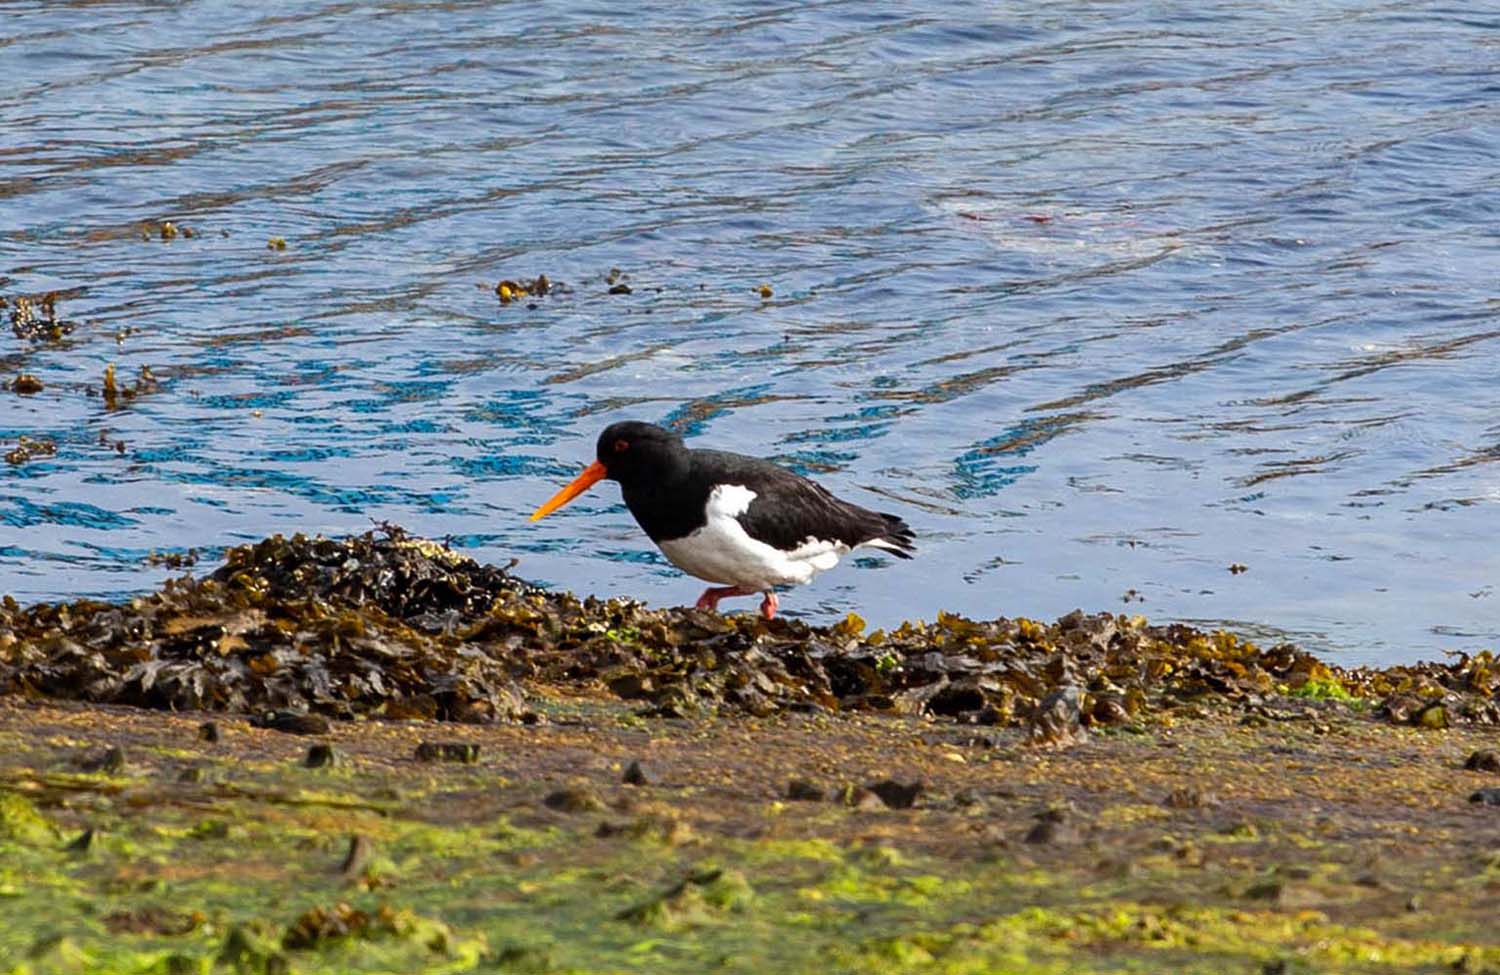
(1103, 298)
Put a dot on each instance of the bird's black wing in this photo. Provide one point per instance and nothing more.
(788, 509)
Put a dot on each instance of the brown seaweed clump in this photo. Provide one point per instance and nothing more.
(116, 395)
(34, 318)
(361, 626)
(29, 449)
(388, 625)
(26, 384)
(508, 290)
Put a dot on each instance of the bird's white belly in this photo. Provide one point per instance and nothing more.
(721, 551)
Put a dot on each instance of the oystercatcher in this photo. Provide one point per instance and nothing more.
(739, 521)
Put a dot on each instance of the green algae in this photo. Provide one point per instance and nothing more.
(21, 823)
(457, 904)
(466, 868)
(1325, 689)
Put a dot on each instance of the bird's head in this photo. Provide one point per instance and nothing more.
(630, 452)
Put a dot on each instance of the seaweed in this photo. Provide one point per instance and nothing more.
(27, 324)
(387, 625)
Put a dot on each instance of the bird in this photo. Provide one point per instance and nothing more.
(745, 523)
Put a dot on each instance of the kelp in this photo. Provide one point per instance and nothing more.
(34, 317)
(387, 625)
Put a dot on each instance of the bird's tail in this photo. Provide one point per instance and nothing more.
(896, 538)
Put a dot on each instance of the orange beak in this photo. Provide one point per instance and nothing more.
(592, 474)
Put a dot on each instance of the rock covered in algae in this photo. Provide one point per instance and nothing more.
(386, 625)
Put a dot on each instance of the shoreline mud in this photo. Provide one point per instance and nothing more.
(374, 754)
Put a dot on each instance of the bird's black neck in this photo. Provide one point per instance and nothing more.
(669, 506)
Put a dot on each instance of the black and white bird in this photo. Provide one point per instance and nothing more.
(738, 521)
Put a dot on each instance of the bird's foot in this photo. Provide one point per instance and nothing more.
(712, 595)
(768, 606)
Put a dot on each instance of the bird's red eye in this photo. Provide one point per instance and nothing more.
(621, 446)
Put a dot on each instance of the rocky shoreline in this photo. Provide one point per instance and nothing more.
(374, 754)
(387, 625)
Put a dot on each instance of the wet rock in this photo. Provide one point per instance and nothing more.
(662, 829)
(699, 896)
(1483, 761)
(208, 731)
(292, 722)
(968, 798)
(1188, 797)
(861, 799)
(152, 920)
(635, 775)
(896, 795)
(1486, 797)
(461, 752)
(1401, 708)
(1434, 716)
(244, 950)
(1058, 718)
(319, 926)
(1054, 826)
(413, 707)
(801, 790)
(110, 762)
(575, 799)
(1110, 710)
(357, 856)
(322, 756)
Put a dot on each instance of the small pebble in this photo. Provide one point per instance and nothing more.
(801, 790)
(1054, 827)
(112, 761)
(860, 798)
(1187, 797)
(448, 751)
(322, 756)
(897, 795)
(357, 856)
(293, 722)
(1483, 761)
(573, 800)
(635, 775)
(1486, 797)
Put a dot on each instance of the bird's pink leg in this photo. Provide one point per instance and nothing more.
(768, 606)
(712, 595)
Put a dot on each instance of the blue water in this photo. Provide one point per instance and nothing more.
(1102, 298)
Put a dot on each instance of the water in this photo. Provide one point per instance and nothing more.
(1103, 298)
